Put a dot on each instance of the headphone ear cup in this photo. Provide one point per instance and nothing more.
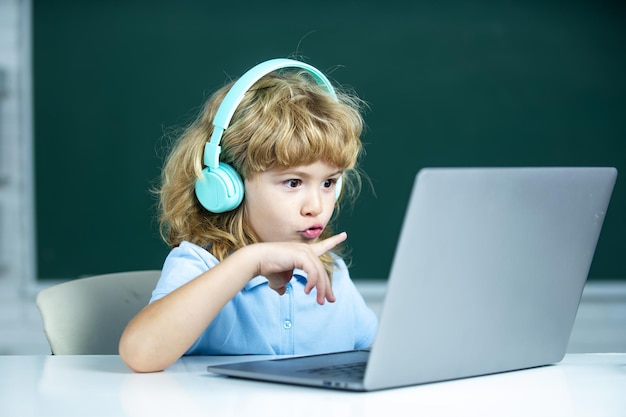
(338, 185)
(220, 189)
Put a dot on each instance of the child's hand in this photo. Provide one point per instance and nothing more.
(278, 260)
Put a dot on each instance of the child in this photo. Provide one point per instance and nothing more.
(250, 270)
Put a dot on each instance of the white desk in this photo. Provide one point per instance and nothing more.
(88, 386)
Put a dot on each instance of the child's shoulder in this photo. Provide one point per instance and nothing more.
(191, 251)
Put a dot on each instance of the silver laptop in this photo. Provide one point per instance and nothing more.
(487, 277)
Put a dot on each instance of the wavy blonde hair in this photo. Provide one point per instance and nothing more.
(286, 119)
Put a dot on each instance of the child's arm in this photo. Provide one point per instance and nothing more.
(164, 330)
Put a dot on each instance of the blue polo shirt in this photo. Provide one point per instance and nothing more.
(259, 321)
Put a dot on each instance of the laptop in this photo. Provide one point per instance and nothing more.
(487, 277)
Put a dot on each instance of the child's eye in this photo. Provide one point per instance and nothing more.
(329, 183)
(293, 183)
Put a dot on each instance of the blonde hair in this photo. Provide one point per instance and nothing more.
(286, 119)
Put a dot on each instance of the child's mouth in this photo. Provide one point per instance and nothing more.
(312, 232)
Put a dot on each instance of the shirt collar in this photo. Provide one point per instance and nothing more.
(298, 274)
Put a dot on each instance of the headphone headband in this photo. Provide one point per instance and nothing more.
(220, 188)
(237, 92)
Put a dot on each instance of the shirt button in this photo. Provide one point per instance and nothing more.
(287, 324)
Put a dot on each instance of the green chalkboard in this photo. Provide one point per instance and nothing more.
(453, 83)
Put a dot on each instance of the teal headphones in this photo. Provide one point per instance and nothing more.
(220, 188)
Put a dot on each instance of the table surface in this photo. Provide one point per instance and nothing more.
(580, 385)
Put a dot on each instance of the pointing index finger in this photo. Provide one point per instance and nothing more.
(325, 245)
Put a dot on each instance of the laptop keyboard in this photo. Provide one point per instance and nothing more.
(348, 370)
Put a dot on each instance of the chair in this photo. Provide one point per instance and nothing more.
(87, 316)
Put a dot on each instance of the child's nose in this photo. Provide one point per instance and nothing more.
(313, 203)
